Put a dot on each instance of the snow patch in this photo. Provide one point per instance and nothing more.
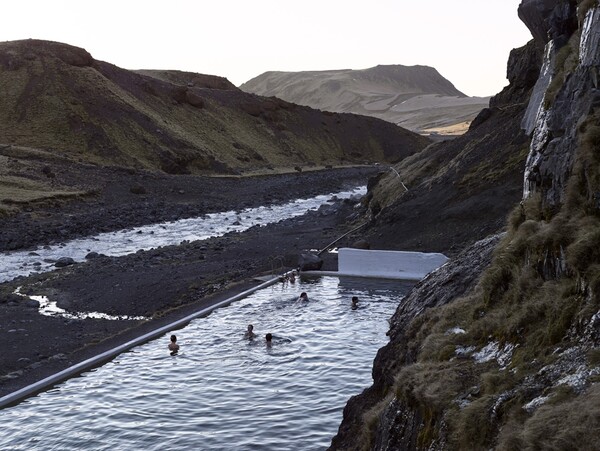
(492, 351)
(535, 403)
(455, 331)
(578, 380)
(50, 308)
(464, 351)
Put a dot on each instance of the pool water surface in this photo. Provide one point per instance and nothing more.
(223, 391)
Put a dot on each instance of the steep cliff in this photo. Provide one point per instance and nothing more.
(506, 355)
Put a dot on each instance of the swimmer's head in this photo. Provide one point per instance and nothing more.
(173, 338)
(250, 327)
(268, 337)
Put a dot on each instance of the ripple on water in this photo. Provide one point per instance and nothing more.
(222, 391)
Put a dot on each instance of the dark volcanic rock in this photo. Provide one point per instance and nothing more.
(522, 71)
(64, 261)
(548, 19)
(33, 304)
(309, 262)
(555, 132)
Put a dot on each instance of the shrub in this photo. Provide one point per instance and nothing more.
(585, 250)
(472, 428)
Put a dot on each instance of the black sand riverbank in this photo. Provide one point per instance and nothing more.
(163, 284)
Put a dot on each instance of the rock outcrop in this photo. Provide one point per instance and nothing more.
(565, 104)
(511, 362)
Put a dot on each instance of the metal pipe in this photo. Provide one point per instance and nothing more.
(343, 236)
(396, 172)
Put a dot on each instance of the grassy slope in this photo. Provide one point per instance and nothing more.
(57, 97)
(57, 102)
(522, 300)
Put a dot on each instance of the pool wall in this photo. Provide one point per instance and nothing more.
(402, 265)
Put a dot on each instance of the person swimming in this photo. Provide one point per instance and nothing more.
(173, 346)
(269, 340)
(303, 297)
(354, 302)
(250, 332)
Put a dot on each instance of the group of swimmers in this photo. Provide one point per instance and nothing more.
(249, 334)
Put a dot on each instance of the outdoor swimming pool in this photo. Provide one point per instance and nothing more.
(224, 392)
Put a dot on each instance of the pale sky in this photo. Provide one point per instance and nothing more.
(467, 41)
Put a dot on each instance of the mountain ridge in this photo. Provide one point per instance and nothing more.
(416, 97)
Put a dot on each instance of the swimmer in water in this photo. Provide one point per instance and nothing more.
(269, 340)
(250, 332)
(173, 346)
(354, 302)
(303, 297)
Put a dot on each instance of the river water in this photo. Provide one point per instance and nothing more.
(123, 242)
(224, 392)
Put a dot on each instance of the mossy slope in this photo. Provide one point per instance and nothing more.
(58, 98)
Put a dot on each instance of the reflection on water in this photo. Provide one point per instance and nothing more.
(224, 392)
(123, 242)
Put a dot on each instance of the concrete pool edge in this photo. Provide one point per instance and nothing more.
(43, 384)
(341, 274)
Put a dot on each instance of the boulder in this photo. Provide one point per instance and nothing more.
(309, 262)
(548, 19)
(64, 261)
(10, 298)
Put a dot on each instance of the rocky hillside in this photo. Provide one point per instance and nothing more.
(58, 99)
(414, 97)
(454, 193)
(501, 348)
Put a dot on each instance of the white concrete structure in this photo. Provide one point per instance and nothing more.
(387, 264)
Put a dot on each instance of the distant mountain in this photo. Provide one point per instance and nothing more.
(415, 97)
(57, 98)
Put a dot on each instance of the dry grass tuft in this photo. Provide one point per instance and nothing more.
(583, 7)
(566, 422)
